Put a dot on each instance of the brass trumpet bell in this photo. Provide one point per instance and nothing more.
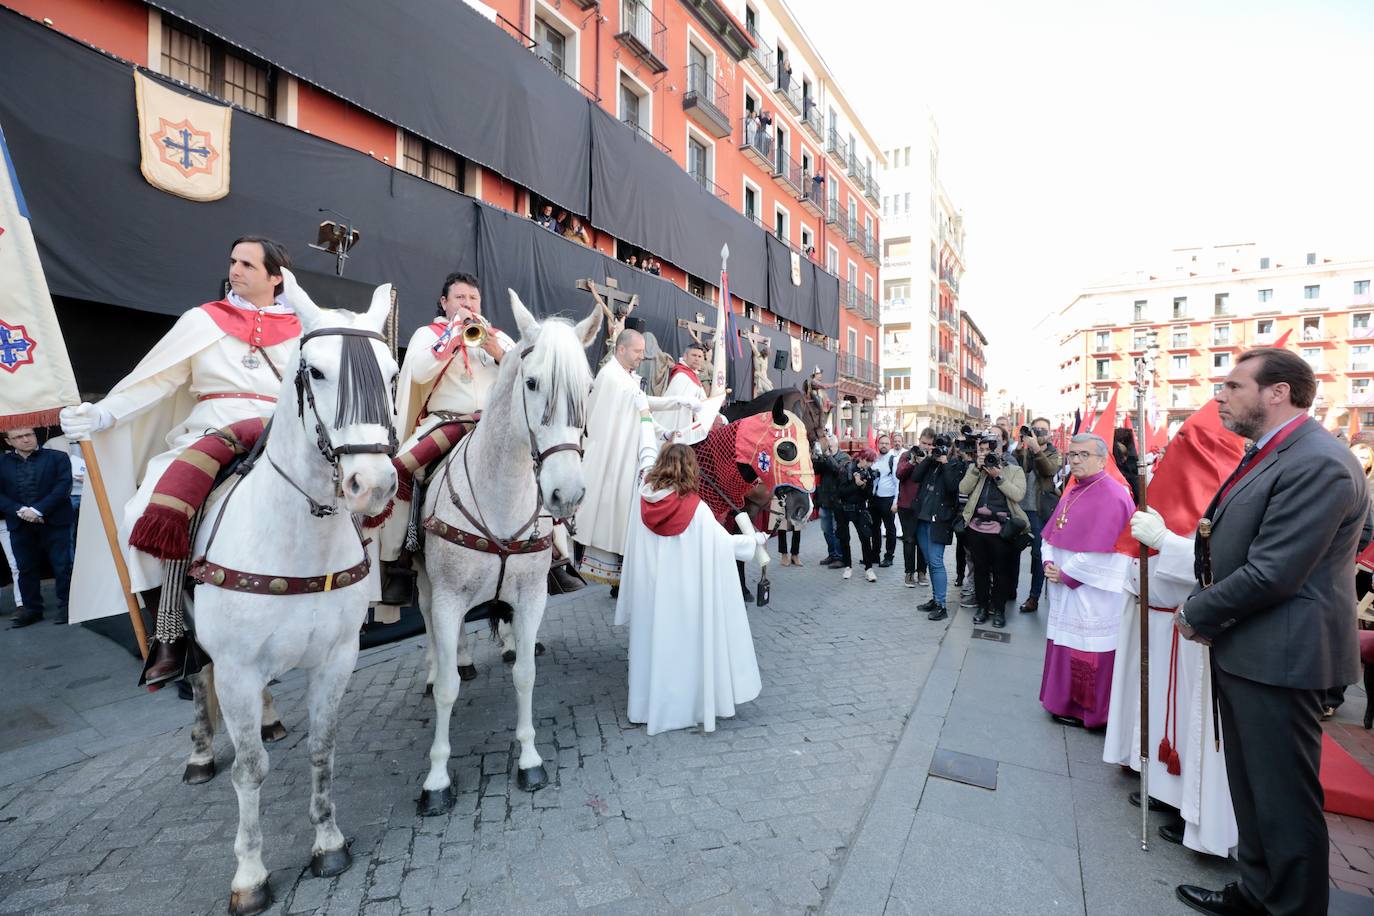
(474, 332)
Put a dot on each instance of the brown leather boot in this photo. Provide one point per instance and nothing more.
(567, 579)
(166, 662)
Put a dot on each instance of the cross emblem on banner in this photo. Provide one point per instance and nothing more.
(185, 148)
(16, 347)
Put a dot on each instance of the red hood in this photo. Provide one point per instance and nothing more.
(670, 515)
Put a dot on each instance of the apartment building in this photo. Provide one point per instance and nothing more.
(1202, 307)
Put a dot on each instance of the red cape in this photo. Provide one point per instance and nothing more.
(670, 515)
(680, 369)
(261, 329)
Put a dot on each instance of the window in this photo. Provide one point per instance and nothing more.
(698, 287)
(634, 105)
(432, 163)
(1311, 292)
(1361, 358)
(1216, 388)
(1311, 258)
(551, 45)
(780, 223)
(1140, 340)
(1138, 312)
(1221, 335)
(806, 239)
(1220, 302)
(1367, 418)
(1180, 338)
(897, 379)
(1178, 396)
(832, 260)
(211, 66)
(1359, 321)
(1221, 362)
(1264, 326)
(1103, 369)
(1312, 356)
(1103, 341)
(751, 202)
(1264, 263)
(1362, 287)
(700, 73)
(699, 161)
(1265, 295)
(853, 341)
(1359, 386)
(1180, 306)
(1178, 366)
(1311, 328)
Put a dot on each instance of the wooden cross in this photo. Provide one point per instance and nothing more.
(754, 337)
(698, 329)
(621, 304)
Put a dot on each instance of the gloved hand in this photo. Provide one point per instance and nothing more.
(761, 538)
(641, 401)
(691, 403)
(80, 421)
(1149, 529)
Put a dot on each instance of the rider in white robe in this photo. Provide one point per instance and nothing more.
(684, 383)
(1201, 791)
(691, 651)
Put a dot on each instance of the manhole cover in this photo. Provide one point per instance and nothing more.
(965, 768)
(991, 635)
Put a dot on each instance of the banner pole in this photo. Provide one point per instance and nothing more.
(97, 484)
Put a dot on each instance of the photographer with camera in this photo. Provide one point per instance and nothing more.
(908, 492)
(994, 522)
(938, 477)
(1040, 461)
(855, 487)
(880, 502)
(829, 463)
(966, 447)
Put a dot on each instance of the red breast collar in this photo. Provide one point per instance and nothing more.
(680, 369)
(255, 327)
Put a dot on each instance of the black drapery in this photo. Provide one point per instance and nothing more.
(433, 67)
(815, 303)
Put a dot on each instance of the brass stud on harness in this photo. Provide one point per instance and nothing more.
(481, 544)
(277, 586)
(343, 579)
(243, 582)
(217, 577)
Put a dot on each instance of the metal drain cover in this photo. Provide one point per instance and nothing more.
(965, 768)
(991, 635)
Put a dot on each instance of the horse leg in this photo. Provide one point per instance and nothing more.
(426, 590)
(200, 767)
(241, 701)
(505, 633)
(327, 685)
(272, 729)
(528, 614)
(467, 671)
(447, 619)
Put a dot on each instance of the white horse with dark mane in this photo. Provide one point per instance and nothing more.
(283, 568)
(486, 551)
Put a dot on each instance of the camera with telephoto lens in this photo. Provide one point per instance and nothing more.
(942, 446)
(992, 460)
(1027, 432)
(869, 474)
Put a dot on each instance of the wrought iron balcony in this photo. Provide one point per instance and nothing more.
(851, 228)
(836, 147)
(756, 140)
(788, 172)
(706, 102)
(872, 191)
(643, 34)
(701, 179)
(811, 118)
(543, 54)
(973, 378)
(856, 168)
(870, 248)
(866, 308)
(761, 57)
(858, 369)
(812, 194)
(849, 296)
(647, 137)
(787, 90)
(833, 216)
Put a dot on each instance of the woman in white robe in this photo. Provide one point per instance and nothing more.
(691, 653)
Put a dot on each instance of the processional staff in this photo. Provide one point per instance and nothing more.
(1144, 382)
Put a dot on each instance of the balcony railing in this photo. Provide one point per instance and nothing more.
(787, 90)
(856, 168)
(949, 317)
(701, 179)
(1365, 333)
(706, 102)
(851, 231)
(788, 172)
(761, 57)
(812, 193)
(836, 147)
(647, 137)
(866, 308)
(643, 34)
(857, 368)
(872, 191)
(869, 246)
(811, 118)
(849, 296)
(756, 141)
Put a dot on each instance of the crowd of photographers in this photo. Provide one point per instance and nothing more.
(989, 492)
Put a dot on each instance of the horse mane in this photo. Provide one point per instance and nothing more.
(559, 361)
(362, 390)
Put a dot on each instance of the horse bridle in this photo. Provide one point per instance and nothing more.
(305, 394)
(535, 453)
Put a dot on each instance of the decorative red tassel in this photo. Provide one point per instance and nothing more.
(376, 521)
(1174, 766)
(162, 532)
(1166, 749)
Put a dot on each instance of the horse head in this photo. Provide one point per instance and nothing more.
(756, 458)
(549, 379)
(344, 385)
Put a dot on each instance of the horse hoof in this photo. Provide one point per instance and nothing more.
(331, 862)
(533, 779)
(197, 773)
(435, 802)
(273, 732)
(429, 690)
(508, 656)
(538, 648)
(253, 900)
(467, 672)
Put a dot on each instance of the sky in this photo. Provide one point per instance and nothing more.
(1085, 139)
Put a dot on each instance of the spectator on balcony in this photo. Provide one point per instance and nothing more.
(546, 219)
(811, 252)
(763, 141)
(654, 267)
(576, 231)
(785, 76)
(633, 261)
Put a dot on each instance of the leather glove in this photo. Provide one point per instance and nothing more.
(79, 422)
(1149, 529)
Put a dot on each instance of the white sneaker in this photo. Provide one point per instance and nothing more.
(870, 575)
(848, 573)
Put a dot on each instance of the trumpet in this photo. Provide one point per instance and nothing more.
(474, 332)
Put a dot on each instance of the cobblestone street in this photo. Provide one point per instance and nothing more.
(753, 818)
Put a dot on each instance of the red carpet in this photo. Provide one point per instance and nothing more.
(1348, 786)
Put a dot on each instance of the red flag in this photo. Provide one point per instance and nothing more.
(1283, 339)
(1201, 455)
(1127, 424)
(1106, 428)
(1087, 425)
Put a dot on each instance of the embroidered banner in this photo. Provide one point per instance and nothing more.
(36, 378)
(183, 141)
(795, 353)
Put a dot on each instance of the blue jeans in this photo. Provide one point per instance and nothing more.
(832, 543)
(1037, 525)
(935, 559)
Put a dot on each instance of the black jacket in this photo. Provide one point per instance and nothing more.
(54, 486)
(850, 495)
(827, 469)
(938, 501)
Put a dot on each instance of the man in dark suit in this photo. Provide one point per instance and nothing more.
(35, 500)
(1277, 604)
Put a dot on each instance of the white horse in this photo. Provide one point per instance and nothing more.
(283, 567)
(484, 548)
